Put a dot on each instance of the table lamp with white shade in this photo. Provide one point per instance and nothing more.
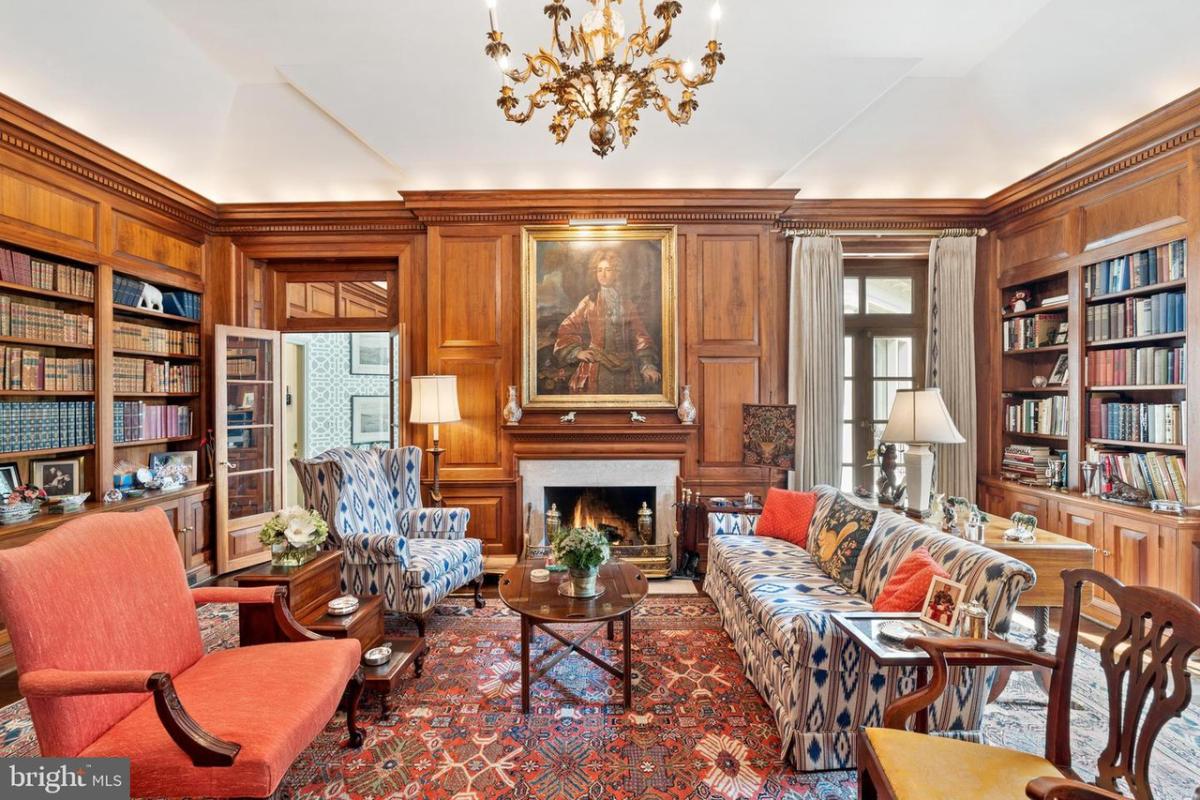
(919, 418)
(435, 401)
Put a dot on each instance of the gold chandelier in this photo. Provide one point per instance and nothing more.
(602, 86)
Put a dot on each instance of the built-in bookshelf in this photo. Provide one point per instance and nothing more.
(1127, 409)
(1135, 368)
(93, 380)
(1035, 341)
(156, 368)
(47, 364)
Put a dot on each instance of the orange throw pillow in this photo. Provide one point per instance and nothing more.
(786, 516)
(905, 590)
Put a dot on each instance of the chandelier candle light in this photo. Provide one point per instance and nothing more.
(594, 71)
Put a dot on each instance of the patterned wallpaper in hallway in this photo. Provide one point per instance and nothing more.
(329, 388)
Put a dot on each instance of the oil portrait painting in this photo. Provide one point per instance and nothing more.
(599, 317)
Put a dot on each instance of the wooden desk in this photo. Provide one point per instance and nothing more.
(1048, 555)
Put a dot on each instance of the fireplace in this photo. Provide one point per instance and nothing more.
(612, 510)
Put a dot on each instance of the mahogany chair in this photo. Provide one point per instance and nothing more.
(1145, 668)
(108, 648)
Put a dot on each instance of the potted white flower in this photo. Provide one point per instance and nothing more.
(582, 551)
(294, 535)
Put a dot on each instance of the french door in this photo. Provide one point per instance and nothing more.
(884, 351)
(248, 447)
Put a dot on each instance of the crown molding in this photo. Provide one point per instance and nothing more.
(330, 218)
(1162, 131)
(892, 215)
(758, 206)
(34, 135)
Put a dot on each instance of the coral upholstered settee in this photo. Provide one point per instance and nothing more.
(108, 647)
(775, 603)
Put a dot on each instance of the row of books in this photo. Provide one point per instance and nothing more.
(128, 292)
(1149, 423)
(46, 425)
(1137, 366)
(1167, 262)
(22, 268)
(32, 371)
(1026, 462)
(138, 421)
(1047, 416)
(1024, 333)
(132, 336)
(1164, 476)
(26, 321)
(145, 375)
(1165, 312)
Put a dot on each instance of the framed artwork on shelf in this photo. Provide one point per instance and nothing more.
(598, 317)
(369, 420)
(370, 354)
(943, 604)
(58, 477)
(1058, 376)
(10, 477)
(183, 460)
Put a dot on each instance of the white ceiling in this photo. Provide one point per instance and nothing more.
(276, 100)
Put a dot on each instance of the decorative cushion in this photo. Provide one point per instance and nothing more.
(786, 515)
(837, 544)
(963, 769)
(906, 589)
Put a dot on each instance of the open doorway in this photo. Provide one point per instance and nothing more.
(337, 393)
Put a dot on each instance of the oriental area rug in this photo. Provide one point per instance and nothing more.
(699, 730)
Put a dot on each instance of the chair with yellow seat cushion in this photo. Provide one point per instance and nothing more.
(1145, 668)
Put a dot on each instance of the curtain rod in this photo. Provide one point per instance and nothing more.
(882, 232)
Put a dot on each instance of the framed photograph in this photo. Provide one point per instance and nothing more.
(10, 477)
(1060, 336)
(598, 317)
(1059, 375)
(370, 354)
(943, 604)
(369, 420)
(57, 478)
(186, 459)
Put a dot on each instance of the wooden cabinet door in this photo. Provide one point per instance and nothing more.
(1086, 525)
(1027, 504)
(248, 441)
(993, 501)
(1136, 550)
(194, 537)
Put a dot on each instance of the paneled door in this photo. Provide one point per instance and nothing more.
(248, 441)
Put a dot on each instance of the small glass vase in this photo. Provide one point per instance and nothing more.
(584, 581)
(284, 555)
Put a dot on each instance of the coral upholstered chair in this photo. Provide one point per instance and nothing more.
(108, 647)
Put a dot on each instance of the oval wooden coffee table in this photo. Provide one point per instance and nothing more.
(540, 604)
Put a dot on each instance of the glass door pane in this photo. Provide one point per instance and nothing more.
(248, 456)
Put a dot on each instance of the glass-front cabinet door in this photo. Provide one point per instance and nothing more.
(249, 458)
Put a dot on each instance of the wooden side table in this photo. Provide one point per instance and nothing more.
(383, 678)
(692, 521)
(863, 628)
(310, 588)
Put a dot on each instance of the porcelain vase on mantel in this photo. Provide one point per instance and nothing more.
(686, 411)
(512, 412)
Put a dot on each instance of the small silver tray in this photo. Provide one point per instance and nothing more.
(377, 655)
(567, 589)
(342, 606)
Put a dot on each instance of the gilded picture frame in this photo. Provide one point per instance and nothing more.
(598, 317)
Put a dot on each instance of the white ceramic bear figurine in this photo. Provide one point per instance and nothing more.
(151, 298)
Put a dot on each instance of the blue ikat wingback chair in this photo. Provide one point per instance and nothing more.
(413, 556)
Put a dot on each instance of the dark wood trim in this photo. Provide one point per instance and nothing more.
(202, 747)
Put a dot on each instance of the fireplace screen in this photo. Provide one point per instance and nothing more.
(612, 510)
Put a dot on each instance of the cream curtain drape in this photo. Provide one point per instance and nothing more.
(950, 357)
(815, 359)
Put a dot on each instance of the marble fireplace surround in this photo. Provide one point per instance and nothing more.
(538, 473)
